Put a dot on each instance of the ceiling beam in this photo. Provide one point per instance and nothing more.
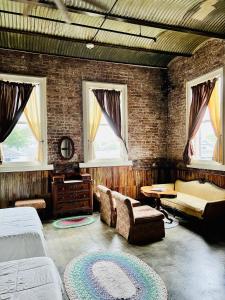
(147, 23)
(88, 59)
(63, 38)
(131, 20)
(81, 25)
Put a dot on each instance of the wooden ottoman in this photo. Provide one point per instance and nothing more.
(39, 204)
(36, 203)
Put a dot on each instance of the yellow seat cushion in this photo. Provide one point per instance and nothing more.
(186, 203)
(207, 191)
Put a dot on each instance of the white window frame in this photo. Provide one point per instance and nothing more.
(86, 87)
(31, 166)
(218, 73)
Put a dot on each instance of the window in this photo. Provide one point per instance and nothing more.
(103, 147)
(106, 144)
(208, 143)
(205, 140)
(26, 146)
(21, 145)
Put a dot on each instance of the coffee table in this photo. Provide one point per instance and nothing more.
(157, 193)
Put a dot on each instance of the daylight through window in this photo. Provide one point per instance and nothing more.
(105, 124)
(208, 141)
(25, 148)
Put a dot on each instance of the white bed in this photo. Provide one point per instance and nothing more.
(30, 279)
(21, 234)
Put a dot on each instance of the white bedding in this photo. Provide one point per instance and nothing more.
(30, 279)
(21, 234)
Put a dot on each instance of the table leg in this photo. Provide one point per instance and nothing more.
(159, 207)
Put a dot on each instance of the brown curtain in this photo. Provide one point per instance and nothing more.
(13, 99)
(201, 94)
(109, 101)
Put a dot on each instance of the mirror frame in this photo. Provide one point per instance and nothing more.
(60, 144)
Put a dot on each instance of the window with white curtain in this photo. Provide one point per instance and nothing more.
(208, 143)
(102, 147)
(26, 146)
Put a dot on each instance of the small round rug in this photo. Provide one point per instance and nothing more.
(73, 222)
(169, 225)
(111, 276)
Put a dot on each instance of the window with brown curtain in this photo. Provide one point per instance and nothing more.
(204, 138)
(23, 130)
(105, 123)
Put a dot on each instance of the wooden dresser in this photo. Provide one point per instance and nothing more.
(72, 195)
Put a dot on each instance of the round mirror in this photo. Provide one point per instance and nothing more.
(66, 147)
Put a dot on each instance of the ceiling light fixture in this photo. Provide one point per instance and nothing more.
(90, 45)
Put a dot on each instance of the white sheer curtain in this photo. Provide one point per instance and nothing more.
(95, 115)
(33, 115)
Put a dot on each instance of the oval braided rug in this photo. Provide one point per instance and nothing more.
(110, 276)
(74, 222)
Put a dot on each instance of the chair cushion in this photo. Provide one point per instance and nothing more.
(146, 214)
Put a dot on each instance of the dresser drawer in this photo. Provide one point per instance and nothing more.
(72, 205)
(72, 196)
(82, 195)
(76, 186)
(71, 200)
(59, 187)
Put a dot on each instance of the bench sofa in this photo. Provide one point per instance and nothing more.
(203, 200)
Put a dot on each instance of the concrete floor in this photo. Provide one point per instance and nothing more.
(191, 264)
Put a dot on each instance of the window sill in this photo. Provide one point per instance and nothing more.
(207, 166)
(24, 168)
(114, 163)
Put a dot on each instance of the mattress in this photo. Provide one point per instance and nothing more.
(21, 234)
(30, 279)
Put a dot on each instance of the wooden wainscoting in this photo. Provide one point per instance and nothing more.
(216, 177)
(126, 180)
(22, 185)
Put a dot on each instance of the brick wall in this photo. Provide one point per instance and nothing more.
(146, 104)
(208, 58)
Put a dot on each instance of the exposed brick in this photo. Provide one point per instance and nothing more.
(208, 58)
(147, 107)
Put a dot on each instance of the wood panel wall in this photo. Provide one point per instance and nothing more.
(22, 185)
(126, 180)
(216, 177)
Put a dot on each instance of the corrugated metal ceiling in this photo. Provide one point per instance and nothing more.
(45, 31)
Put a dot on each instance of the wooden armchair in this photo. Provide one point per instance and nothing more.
(139, 225)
